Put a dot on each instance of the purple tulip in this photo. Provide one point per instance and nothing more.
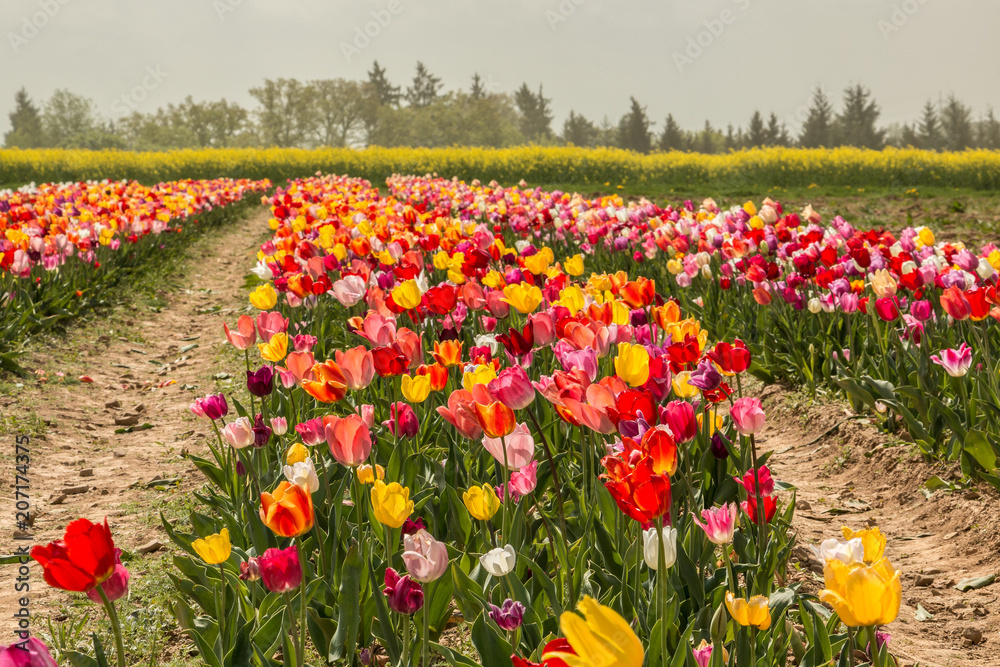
(260, 383)
(719, 449)
(261, 432)
(509, 616)
(212, 407)
(705, 377)
(404, 595)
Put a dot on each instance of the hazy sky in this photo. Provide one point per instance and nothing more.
(697, 59)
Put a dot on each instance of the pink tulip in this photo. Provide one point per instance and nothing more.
(748, 415)
(304, 342)
(496, 304)
(425, 558)
(461, 414)
(357, 365)
(270, 323)
(280, 570)
(411, 346)
(513, 388)
(312, 432)
(519, 447)
(245, 335)
(402, 420)
(543, 329)
(238, 433)
(349, 439)
(279, 425)
(594, 412)
(36, 654)
(720, 523)
(472, 296)
(367, 413)
(955, 362)
(522, 482)
(349, 290)
(766, 481)
(115, 586)
(679, 416)
(379, 330)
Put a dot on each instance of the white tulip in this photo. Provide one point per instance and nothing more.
(651, 550)
(499, 562)
(851, 551)
(304, 474)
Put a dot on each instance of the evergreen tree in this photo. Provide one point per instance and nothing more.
(731, 142)
(536, 114)
(707, 139)
(857, 123)
(478, 90)
(579, 131)
(928, 133)
(633, 129)
(956, 125)
(386, 93)
(989, 131)
(673, 138)
(424, 89)
(756, 132)
(25, 124)
(776, 133)
(817, 130)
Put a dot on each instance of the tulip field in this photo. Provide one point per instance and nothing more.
(529, 415)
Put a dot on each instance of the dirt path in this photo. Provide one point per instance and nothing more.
(147, 364)
(935, 542)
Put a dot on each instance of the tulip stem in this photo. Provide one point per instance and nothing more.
(761, 515)
(291, 628)
(506, 488)
(302, 602)
(425, 644)
(661, 584)
(552, 466)
(404, 659)
(222, 610)
(116, 627)
(850, 645)
(729, 569)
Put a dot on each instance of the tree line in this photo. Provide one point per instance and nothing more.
(376, 112)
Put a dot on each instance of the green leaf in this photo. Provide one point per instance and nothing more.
(494, 649)
(922, 614)
(975, 583)
(454, 658)
(348, 603)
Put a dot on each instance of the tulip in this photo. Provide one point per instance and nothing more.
(482, 502)
(288, 510)
(261, 432)
(260, 383)
(748, 415)
(599, 637)
(358, 367)
(115, 587)
(425, 558)
(513, 388)
(523, 481)
(312, 432)
(212, 407)
(404, 595)
(391, 504)
(416, 389)
(31, 652)
(367, 475)
(632, 364)
(389, 361)
(238, 433)
(270, 324)
(245, 335)
(412, 527)
(703, 654)
(349, 440)
(679, 418)
(82, 560)
(753, 612)
(500, 561)
(330, 384)
(508, 617)
(214, 549)
(349, 290)
(402, 421)
(955, 303)
(862, 594)
(304, 474)
(250, 570)
(732, 359)
(407, 295)
(849, 552)
(750, 507)
(264, 297)
(872, 540)
(280, 569)
(720, 523)
(480, 374)
(651, 548)
(461, 414)
(515, 450)
(297, 453)
(448, 353)
(956, 363)
(766, 481)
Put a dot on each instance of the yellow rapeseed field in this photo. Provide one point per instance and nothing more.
(757, 168)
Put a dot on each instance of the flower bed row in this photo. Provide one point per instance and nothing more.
(63, 247)
(477, 402)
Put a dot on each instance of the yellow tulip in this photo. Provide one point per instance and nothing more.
(275, 349)
(416, 389)
(632, 364)
(883, 284)
(214, 549)
(441, 260)
(572, 298)
(749, 612)
(682, 387)
(926, 236)
(525, 298)
(482, 502)
(391, 503)
(872, 538)
(482, 374)
(539, 262)
(297, 453)
(264, 297)
(861, 594)
(573, 266)
(600, 638)
(367, 476)
(620, 313)
(715, 422)
(407, 295)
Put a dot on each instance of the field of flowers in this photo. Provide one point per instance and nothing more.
(749, 170)
(64, 246)
(527, 411)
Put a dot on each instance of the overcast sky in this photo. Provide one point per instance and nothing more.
(697, 59)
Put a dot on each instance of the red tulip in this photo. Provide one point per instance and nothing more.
(82, 560)
(441, 300)
(389, 362)
(750, 507)
(733, 358)
(679, 416)
(280, 570)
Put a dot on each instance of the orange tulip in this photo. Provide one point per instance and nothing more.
(288, 511)
(638, 293)
(357, 365)
(496, 418)
(448, 353)
(330, 384)
(438, 375)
